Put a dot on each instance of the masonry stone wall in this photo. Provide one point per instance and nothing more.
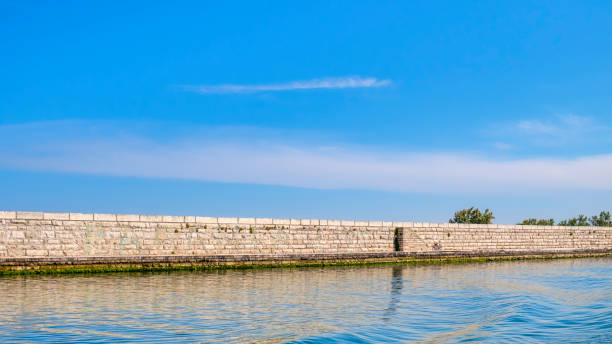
(28, 234)
(426, 237)
(75, 235)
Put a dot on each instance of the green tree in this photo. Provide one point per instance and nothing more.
(472, 215)
(581, 220)
(603, 220)
(537, 222)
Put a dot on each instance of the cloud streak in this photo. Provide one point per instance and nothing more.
(556, 132)
(563, 125)
(323, 83)
(308, 166)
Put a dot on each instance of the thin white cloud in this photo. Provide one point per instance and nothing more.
(536, 127)
(310, 166)
(324, 83)
(562, 125)
(555, 132)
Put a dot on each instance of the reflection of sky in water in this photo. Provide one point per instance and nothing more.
(552, 301)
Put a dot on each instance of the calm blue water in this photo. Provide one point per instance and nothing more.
(558, 301)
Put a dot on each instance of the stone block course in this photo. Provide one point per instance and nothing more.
(81, 217)
(105, 217)
(202, 219)
(173, 219)
(246, 220)
(8, 215)
(150, 218)
(56, 216)
(29, 215)
(128, 218)
(227, 220)
(281, 221)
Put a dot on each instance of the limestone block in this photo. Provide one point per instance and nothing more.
(17, 235)
(128, 218)
(227, 220)
(29, 215)
(56, 216)
(8, 215)
(105, 217)
(246, 220)
(81, 217)
(174, 219)
(36, 253)
(150, 218)
(281, 221)
(263, 221)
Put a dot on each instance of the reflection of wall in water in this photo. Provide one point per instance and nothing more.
(397, 283)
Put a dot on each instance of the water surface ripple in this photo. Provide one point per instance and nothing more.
(554, 301)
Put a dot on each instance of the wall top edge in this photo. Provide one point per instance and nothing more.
(31, 215)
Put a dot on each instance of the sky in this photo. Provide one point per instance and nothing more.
(369, 110)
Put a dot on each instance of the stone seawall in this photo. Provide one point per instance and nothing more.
(32, 240)
(427, 237)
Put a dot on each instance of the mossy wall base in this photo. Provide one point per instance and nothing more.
(11, 266)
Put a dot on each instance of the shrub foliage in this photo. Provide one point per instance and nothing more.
(472, 215)
(602, 220)
(581, 220)
(538, 222)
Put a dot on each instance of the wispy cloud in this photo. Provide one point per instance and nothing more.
(311, 165)
(323, 83)
(562, 125)
(559, 131)
(537, 127)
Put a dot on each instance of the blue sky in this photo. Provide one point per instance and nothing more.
(353, 110)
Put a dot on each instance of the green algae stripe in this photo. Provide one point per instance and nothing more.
(32, 268)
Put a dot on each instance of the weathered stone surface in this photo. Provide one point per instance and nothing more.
(56, 216)
(263, 221)
(81, 217)
(105, 217)
(281, 221)
(150, 218)
(246, 220)
(125, 217)
(202, 219)
(227, 220)
(173, 219)
(8, 215)
(29, 215)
